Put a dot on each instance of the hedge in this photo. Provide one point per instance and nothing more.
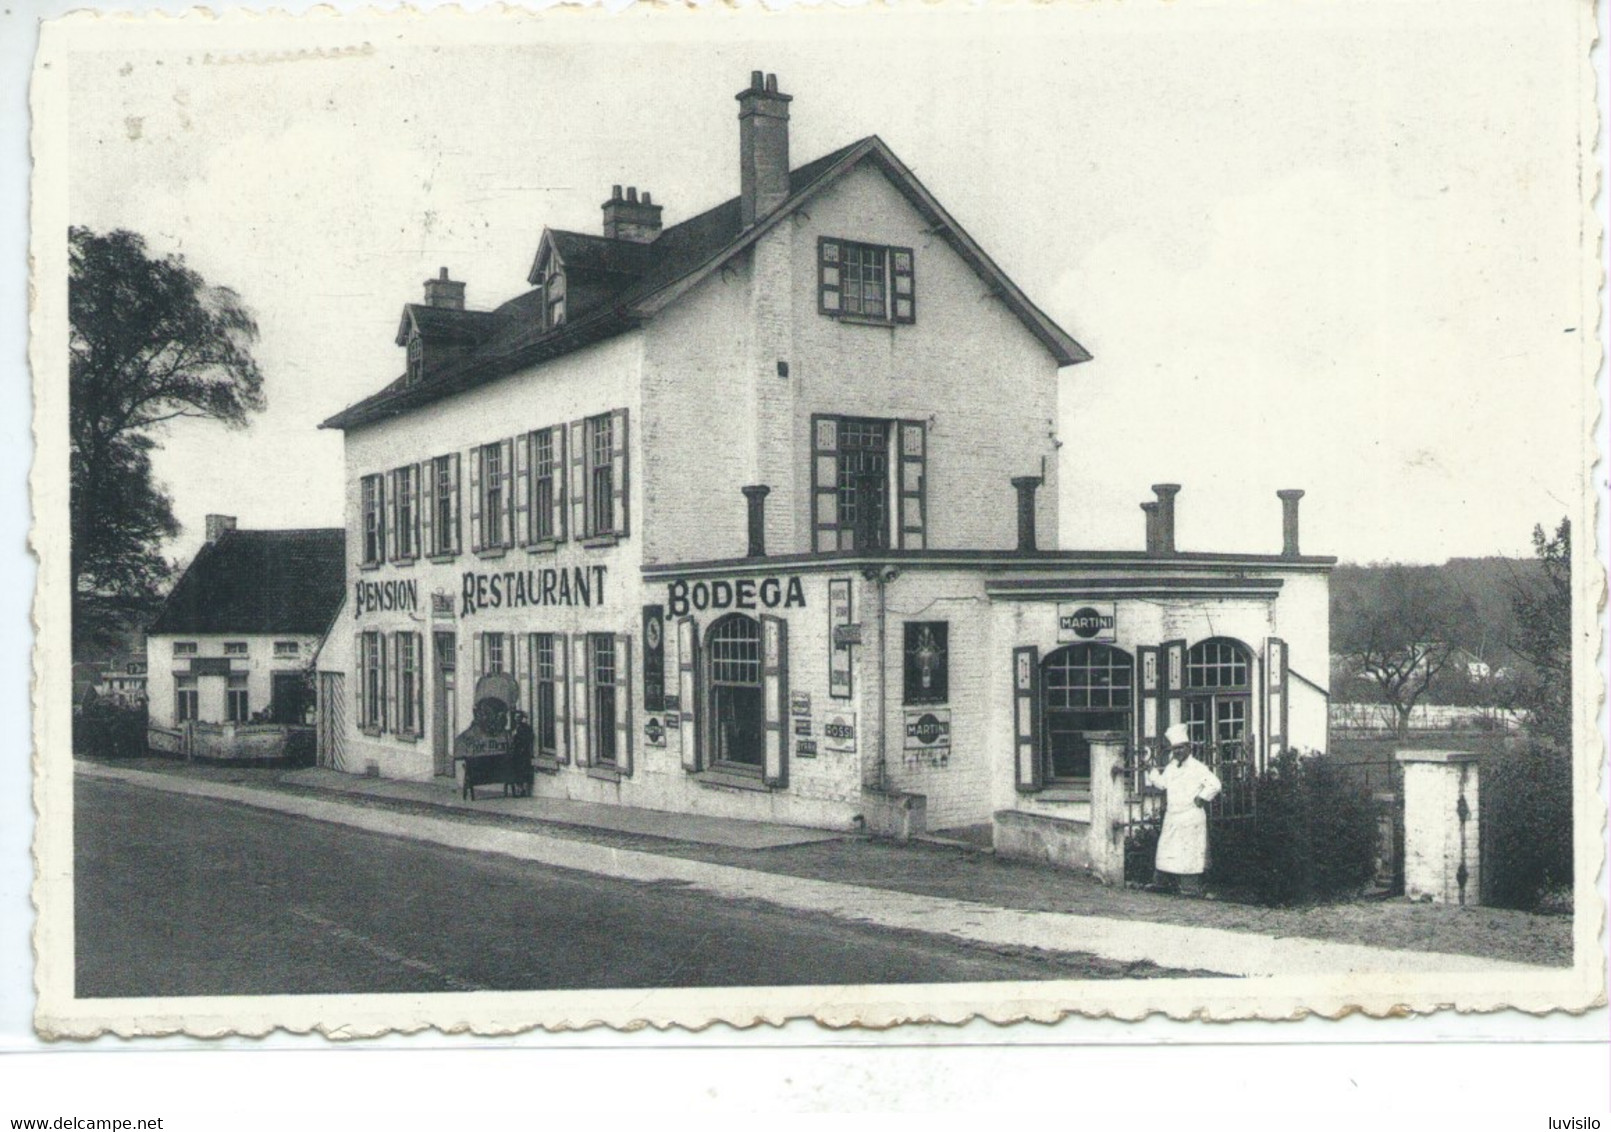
(1526, 816)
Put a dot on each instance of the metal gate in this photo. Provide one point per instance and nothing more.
(332, 715)
(1232, 763)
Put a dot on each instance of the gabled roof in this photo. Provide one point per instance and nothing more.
(444, 324)
(679, 259)
(259, 582)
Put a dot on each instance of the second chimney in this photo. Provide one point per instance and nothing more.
(628, 218)
(444, 292)
(1166, 493)
(1151, 508)
(1289, 521)
(755, 495)
(763, 148)
(217, 525)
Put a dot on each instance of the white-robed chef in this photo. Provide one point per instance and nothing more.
(1188, 786)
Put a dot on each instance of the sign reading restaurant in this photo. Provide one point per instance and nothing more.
(524, 589)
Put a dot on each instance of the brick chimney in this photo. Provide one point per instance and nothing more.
(217, 525)
(444, 292)
(763, 147)
(1166, 493)
(1289, 521)
(628, 218)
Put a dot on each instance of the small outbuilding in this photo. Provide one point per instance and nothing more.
(229, 657)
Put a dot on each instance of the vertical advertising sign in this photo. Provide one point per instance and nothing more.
(839, 613)
(654, 658)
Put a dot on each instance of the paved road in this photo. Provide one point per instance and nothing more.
(188, 896)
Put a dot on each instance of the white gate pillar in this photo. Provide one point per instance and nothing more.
(1441, 831)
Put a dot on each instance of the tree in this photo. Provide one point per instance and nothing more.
(1543, 610)
(1398, 627)
(151, 342)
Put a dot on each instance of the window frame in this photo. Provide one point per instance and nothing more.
(409, 678)
(372, 681)
(372, 520)
(905, 480)
(602, 728)
(547, 673)
(1120, 667)
(405, 513)
(236, 648)
(711, 682)
(545, 522)
(445, 501)
(186, 648)
(237, 699)
(287, 650)
(897, 265)
(186, 698)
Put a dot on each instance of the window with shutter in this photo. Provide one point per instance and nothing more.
(618, 466)
(578, 455)
(547, 486)
(373, 518)
(1149, 684)
(623, 703)
(1276, 692)
(452, 532)
(866, 282)
(477, 541)
(850, 482)
(604, 707)
(392, 643)
(522, 529)
(389, 533)
(426, 478)
(506, 493)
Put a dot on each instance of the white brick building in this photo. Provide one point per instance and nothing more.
(749, 506)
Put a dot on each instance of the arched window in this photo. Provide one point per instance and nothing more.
(1219, 691)
(733, 680)
(1084, 688)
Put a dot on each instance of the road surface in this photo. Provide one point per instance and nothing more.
(186, 896)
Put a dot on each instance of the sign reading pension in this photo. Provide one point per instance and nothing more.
(1086, 621)
(401, 596)
(523, 589)
(737, 593)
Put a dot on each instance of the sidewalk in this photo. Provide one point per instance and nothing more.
(834, 879)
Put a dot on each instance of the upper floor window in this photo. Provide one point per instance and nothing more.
(599, 475)
(554, 298)
(866, 281)
(372, 501)
(287, 648)
(184, 648)
(416, 359)
(868, 483)
(492, 495)
(234, 648)
(547, 455)
(404, 512)
(439, 512)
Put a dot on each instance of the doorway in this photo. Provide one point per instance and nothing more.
(444, 700)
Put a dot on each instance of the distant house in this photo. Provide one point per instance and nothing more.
(234, 642)
(122, 682)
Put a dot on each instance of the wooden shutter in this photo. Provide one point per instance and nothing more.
(903, 285)
(911, 523)
(385, 681)
(1276, 695)
(578, 479)
(388, 525)
(520, 668)
(358, 684)
(476, 542)
(562, 698)
(506, 465)
(830, 281)
(623, 703)
(453, 541)
(619, 469)
(418, 490)
(393, 642)
(1171, 709)
(427, 474)
(419, 685)
(523, 526)
(1149, 683)
(581, 685)
(775, 697)
(478, 647)
(561, 479)
(688, 692)
(825, 482)
(1028, 767)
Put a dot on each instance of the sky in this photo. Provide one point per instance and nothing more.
(1335, 248)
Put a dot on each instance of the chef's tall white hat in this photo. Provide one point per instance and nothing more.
(1177, 734)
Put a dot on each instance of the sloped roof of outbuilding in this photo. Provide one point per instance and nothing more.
(657, 274)
(254, 582)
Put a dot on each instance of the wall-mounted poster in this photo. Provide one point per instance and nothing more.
(839, 614)
(654, 658)
(839, 731)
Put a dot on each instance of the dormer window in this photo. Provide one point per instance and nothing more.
(865, 282)
(554, 298)
(416, 358)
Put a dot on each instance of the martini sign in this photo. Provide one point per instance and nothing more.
(1086, 621)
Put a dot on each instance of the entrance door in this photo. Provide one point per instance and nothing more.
(444, 701)
(332, 720)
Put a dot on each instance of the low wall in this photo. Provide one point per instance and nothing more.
(237, 742)
(1095, 844)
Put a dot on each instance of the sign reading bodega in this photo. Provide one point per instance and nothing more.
(742, 593)
(522, 589)
(401, 596)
